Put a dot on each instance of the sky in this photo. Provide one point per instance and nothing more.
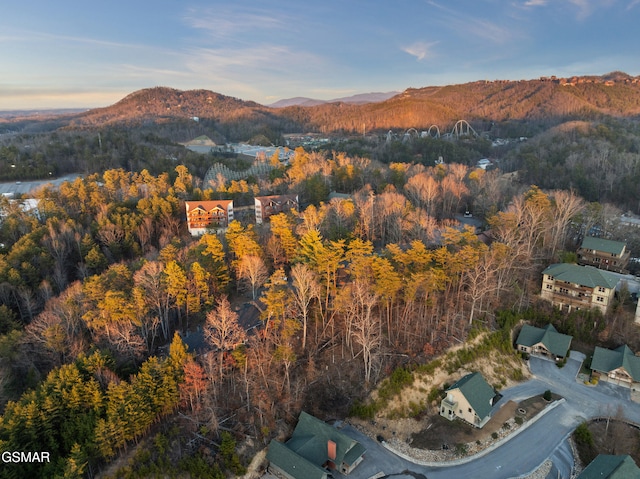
(85, 54)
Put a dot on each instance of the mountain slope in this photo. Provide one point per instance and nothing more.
(547, 100)
(167, 103)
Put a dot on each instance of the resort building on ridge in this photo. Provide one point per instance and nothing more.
(315, 449)
(267, 206)
(546, 342)
(570, 286)
(206, 215)
(471, 399)
(604, 254)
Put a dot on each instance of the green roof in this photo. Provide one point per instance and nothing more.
(583, 275)
(606, 360)
(293, 464)
(604, 245)
(308, 446)
(477, 392)
(611, 467)
(557, 343)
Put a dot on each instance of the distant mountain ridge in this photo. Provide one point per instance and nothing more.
(359, 99)
(548, 99)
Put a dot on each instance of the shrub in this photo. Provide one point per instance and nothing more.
(461, 449)
(518, 420)
(399, 379)
(583, 435)
(494, 435)
(363, 411)
(434, 394)
(547, 395)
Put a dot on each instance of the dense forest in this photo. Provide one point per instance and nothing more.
(97, 280)
(102, 288)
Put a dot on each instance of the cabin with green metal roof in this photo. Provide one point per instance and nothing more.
(314, 449)
(545, 341)
(572, 287)
(606, 466)
(619, 366)
(604, 254)
(471, 399)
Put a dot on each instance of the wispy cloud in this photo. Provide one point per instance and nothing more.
(25, 36)
(229, 22)
(466, 24)
(420, 50)
(247, 71)
(632, 4)
(535, 3)
(587, 7)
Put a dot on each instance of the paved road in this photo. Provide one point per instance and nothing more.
(526, 451)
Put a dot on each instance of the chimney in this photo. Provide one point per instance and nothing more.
(331, 450)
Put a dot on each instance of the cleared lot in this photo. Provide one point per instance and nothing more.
(26, 187)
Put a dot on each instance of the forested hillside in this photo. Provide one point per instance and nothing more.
(102, 288)
(548, 101)
(96, 281)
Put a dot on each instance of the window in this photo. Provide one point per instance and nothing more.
(564, 290)
(469, 409)
(549, 286)
(601, 289)
(599, 299)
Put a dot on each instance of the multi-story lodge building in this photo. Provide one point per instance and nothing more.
(267, 206)
(604, 254)
(570, 286)
(203, 215)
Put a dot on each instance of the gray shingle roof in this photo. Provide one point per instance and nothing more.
(604, 245)
(611, 467)
(606, 360)
(583, 275)
(557, 343)
(477, 391)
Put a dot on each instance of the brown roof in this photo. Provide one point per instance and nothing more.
(208, 205)
(277, 198)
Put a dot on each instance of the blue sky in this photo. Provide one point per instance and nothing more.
(70, 53)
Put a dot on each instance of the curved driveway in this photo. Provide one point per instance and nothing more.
(526, 450)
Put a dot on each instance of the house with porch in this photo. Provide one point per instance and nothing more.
(315, 449)
(606, 466)
(570, 286)
(604, 254)
(471, 399)
(203, 215)
(546, 342)
(619, 366)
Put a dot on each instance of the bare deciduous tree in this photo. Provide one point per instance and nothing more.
(222, 329)
(253, 270)
(306, 288)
